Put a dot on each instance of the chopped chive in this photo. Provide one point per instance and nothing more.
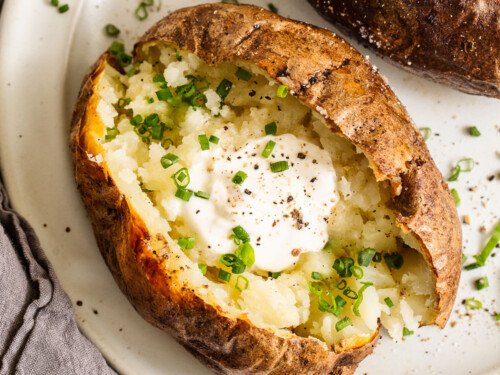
(241, 234)
(342, 284)
(181, 178)
(224, 275)
(279, 166)
(268, 149)
(150, 100)
(166, 143)
(328, 244)
(123, 102)
(464, 258)
(455, 195)
(394, 260)
(357, 272)
(272, 8)
(246, 253)
(178, 56)
(365, 256)
(159, 78)
(133, 70)
(203, 140)
(168, 160)
(325, 306)
(228, 259)
(343, 266)
(271, 128)
(455, 173)
(238, 267)
(141, 12)
(124, 60)
(497, 317)
(315, 288)
(282, 91)
(243, 74)
(239, 177)
(463, 165)
(184, 194)
(54, 3)
(136, 120)
(224, 88)
(316, 276)
(164, 94)
(377, 258)
(111, 30)
(474, 131)
(407, 332)
(482, 283)
(203, 268)
(186, 243)
(349, 293)
(63, 8)
(473, 304)
(486, 251)
(472, 266)
(343, 323)
(241, 283)
(111, 133)
(355, 307)
(202, 194)
(152, 120)
(426, 133)
(116, 48)
(274, 275)
(213, 139)
(388, 302)
(157, 132)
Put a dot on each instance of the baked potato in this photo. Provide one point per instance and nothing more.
(259, 193)
(454, 42)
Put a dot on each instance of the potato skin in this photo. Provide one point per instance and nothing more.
(329, 76)
(455, 42)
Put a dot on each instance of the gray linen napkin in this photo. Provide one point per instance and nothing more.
(38, 333)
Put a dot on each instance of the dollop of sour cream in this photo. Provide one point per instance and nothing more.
(285, 213)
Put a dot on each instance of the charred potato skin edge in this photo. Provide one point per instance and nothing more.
(363, 109)
(452, 42)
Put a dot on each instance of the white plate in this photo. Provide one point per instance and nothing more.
(43, 58)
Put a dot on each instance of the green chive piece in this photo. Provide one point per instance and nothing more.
(111, 30)
(150, 100)
(274, 275)
(454, 174)
(316, 276)
(357, 272)
(243, 74)
(341, 284)
(282, 91)
(455, 196)
(365, 256)
(377, 258)
(349, 293)
(473, 304)
(63, 8)
(203, 268)
(123, 102)
(186, 243)
(394, 260)
(463, 165)
(157, 132)
(472, 266)
(224, 275)
(224, 88)
(213, 139)
(203, 140)
(181, 178)
(241, 234)
(426, 133)
(487, 249)
(271, 128)
(141, 12)
(238, 267)
(355, 307)
(166, 143)
(328, 244)
(178, 56)
(279, 166)
(111, 133)
(202, 194)
(268, 149)
(228, 259)
(388, 302)
(241, 283)
(482, 283)
(184, 194)
(343, 323)
(133, 70)
(136, 120)
(54, 3)
(343, 266)
(164, 94)
(159, 78)
(464, 258)
(407, 332)
(497, 317)
(272, 8)
(315, 288)
(246, 253)
(239, 177)
(474, 131)
(168, 160)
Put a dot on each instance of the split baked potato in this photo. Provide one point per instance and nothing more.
(258, 192)
(454, 42)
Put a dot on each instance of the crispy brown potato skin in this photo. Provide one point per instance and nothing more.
(327, 75)
(455, 42)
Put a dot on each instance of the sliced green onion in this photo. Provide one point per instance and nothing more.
(482, 283)
(239, 177)
(184, 194)
(241, 283)
(136, 120)
(282, 91)
(111, 133)
(166, 143)
(168, 160)
(473, 304)
(272, 8)
(246, 253)
(203, 268)
(133, 70)
(377, 258)
(455, 196)
(116, 48)
(328, 245)
(343, 266)
(202, 194)
(149, 100)
(490, 245)
(472, 266)
(497, 317)
(238, 267)
(228, 259)
(181, 178)
(357, 272)
(141, 12)
(224, 88)
(213, 139)
(426, 133)
(63, 8)
(54, 3)
(349, 293)
(271, 128)
(124, 60)
(152, 120)
(186, 243)
(224, 275)
(279, 166)
(241, 234)
(325, 306)
(394, 260)
(274, 275)
(355, 307)
(455, 173)
(111, 30)
(474, 131)
(365, 256)
(203, 140)
(464, 258)
(315, 288)
(342, 284)
(463, 165)
(407, 332)
(178, 56)
(157, 132)
(343, 323)
(316, 276)
(388, 302)
(164, 94)
(268, 149)
(159, 78)
(243, 74)
(340, 302)
(123, 102)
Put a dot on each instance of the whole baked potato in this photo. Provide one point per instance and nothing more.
(454, 42)
(259, 193)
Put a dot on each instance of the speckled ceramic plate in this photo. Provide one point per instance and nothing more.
(43, 58)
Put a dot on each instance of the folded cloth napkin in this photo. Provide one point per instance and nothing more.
(38, 333)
